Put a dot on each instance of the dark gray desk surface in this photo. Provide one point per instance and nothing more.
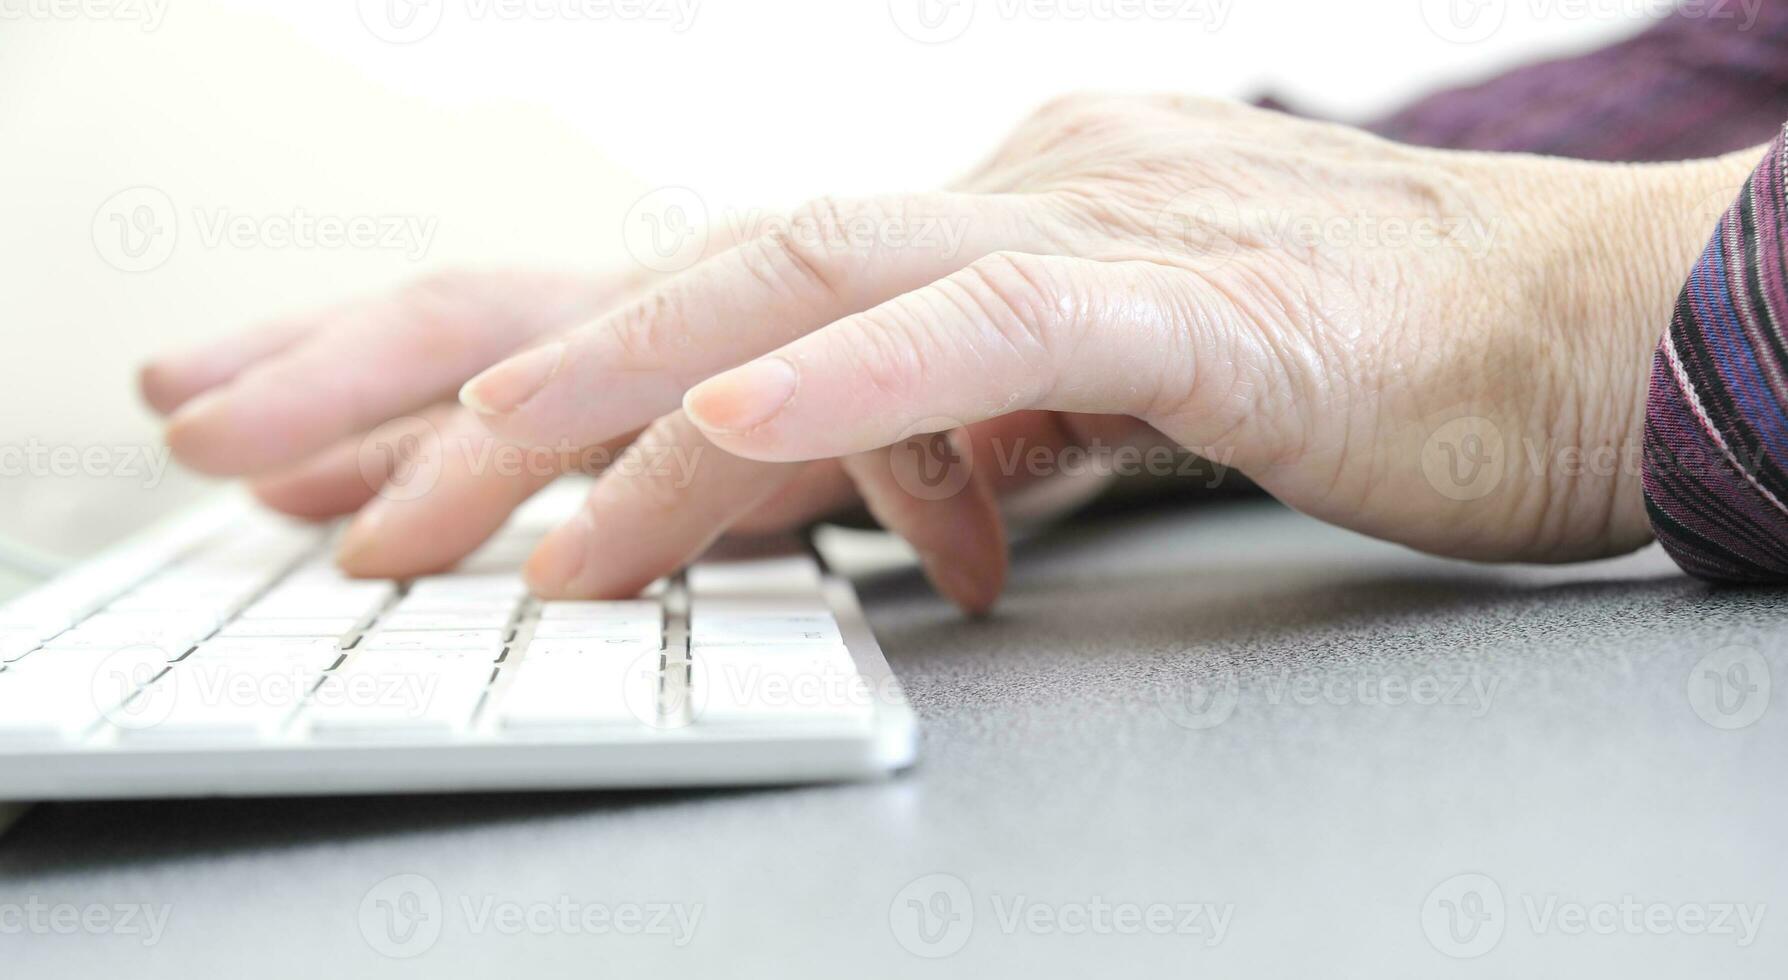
(1054, 776)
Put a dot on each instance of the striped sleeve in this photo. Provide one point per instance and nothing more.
(1716, 418)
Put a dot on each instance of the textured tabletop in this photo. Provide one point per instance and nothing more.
(1223, 743)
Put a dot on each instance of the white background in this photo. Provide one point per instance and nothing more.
(523, 132)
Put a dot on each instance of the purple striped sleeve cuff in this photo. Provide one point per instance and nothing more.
(1716, 419)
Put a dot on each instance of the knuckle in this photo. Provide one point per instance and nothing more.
(893, 345)
(639, 333)
(1072, 105)
(805, 252)
(649, 487)
(1011, 292)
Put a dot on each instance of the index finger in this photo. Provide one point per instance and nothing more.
(834, 258)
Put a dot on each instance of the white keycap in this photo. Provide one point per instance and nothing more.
(804, 686)
(36, 623)
(399, 694)
(265, 647)
(495, 586)
(636, 631)
(761, 622)
(435, 641)
(331, 628)
(588, 693)
(626, 610)
(455, 605)
(43, 712)
(57, 696)
(139, 627)
(162, 652)
(591, 647)
(489, 620)
(356, 601)
(791, 576)
(218, 700)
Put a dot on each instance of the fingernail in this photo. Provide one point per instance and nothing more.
(743, 398)
(559, 559)
(196, 409)
(503, 388)
(362, 534)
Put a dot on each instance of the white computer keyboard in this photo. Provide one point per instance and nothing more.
(223, 654)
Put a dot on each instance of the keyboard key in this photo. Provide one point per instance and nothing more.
(357, 601)
(495, 586)
(628, 610)
(761, 622)
(436, 641)
(332, 628)
(112, 631)
(268, 647)
(636, 631)
(803, 686)
(453, 604)
(493, 619)
(581, 693)
(790, 576)
(399, 694)
(219, 700)
(591, 647)
(58, 695)
(31, 711)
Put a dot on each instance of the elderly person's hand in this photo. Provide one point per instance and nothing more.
(1447, 350)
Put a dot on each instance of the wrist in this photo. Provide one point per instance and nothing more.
(1639, 234)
